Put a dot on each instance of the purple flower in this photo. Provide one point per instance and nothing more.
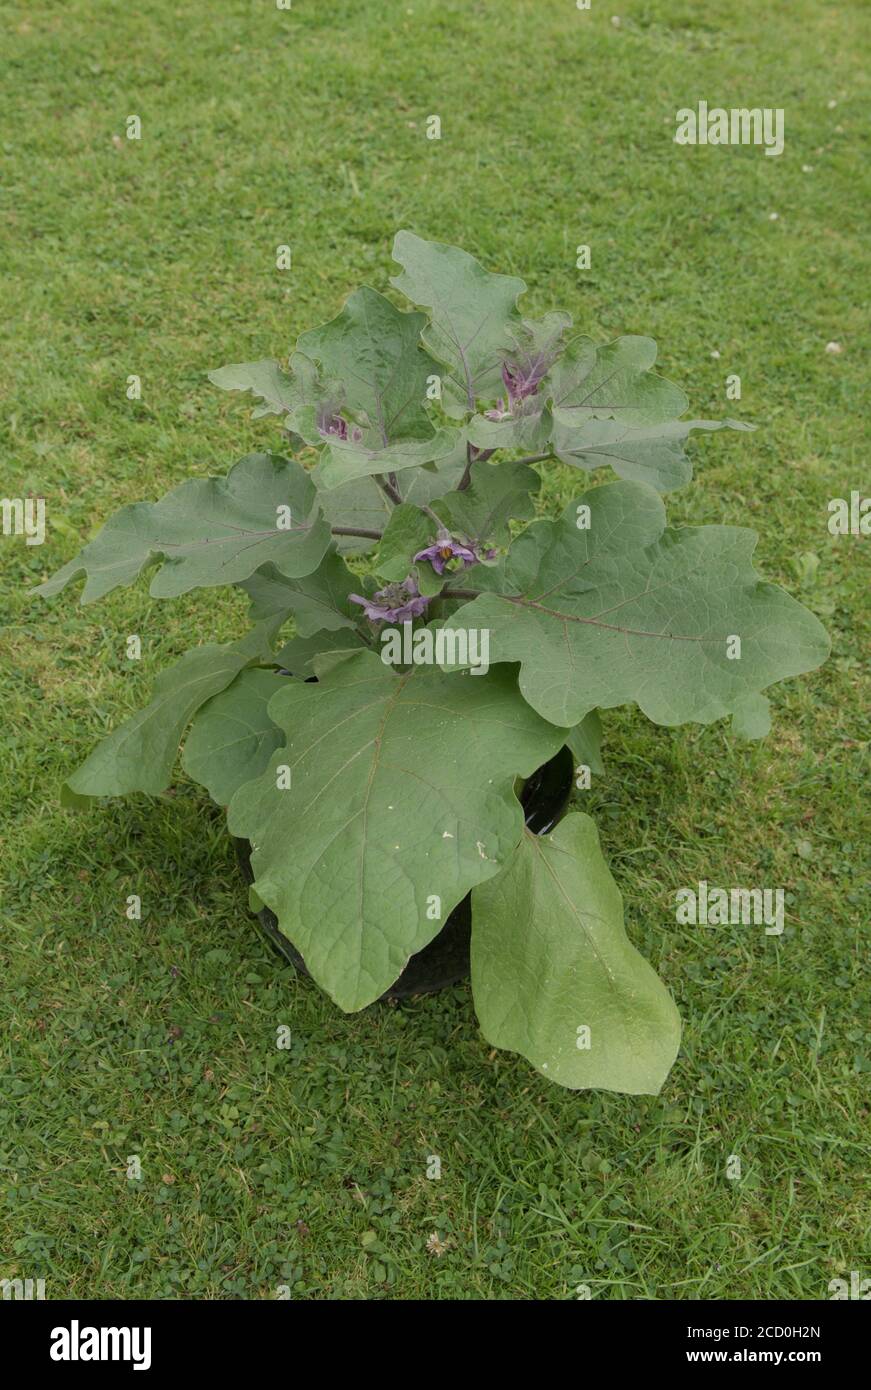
(395, 603)
(522, 378)
(332, 425)
(445, 548)
(522, 393)
(524, 373)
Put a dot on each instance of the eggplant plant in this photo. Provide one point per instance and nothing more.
(449, 636)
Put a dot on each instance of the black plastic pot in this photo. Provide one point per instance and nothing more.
(445, 960)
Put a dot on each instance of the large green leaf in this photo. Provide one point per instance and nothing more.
(139, 754)
(374, 350)
(498, 493)
(209, 531)
(651, 454)
(280, 393)
(554, 975)
(264, 379)
(318, 600)
(609, 407)
(232, 737)
(612, 381)
(345, 460)
(401, 800)
(628, 610)
(473, 314)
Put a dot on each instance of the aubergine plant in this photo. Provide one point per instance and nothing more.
(456, 644)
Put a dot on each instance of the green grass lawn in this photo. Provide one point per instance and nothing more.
(156, 258)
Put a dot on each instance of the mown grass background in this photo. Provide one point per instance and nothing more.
(307, 1167)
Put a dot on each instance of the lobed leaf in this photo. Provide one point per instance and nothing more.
(317, 600)
(374, 349)
(208, 531)
(651, 454)
(630, 611)
(472, 314)
(498, 493)
(280, 393)
(612, 381)
(345, 460)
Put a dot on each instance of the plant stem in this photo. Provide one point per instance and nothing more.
(479, 457)
(356, 531)
(460, 593)
(388, 488)
(534, 458)
(467, 471)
